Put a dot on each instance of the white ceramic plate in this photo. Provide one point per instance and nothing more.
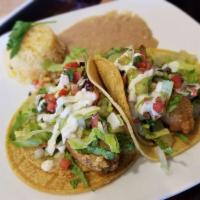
(145, 180)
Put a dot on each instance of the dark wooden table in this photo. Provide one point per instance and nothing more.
(192, 7)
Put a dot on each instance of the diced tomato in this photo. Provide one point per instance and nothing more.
(51, 102)
(94, 121)
(49, 97)
(77, 76)
(74, 89)
(97, 96)
(43, 145)
(159, 105)
(144, 65)
(136, 121)
(194, 92)
(65, 164)
(63, 92)
(51, 107)
(71, 65)
(35, 82)
(177, 79)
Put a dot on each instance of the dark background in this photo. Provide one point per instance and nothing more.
(44, 8)
(192, 7)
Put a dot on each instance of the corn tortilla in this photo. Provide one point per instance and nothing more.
(112, 80)
(28, 169)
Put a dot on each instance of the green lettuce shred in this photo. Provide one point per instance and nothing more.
(76, 54)
(31, 139)
(76, 170)
(167, 149)
(107, 138)
(99, 151)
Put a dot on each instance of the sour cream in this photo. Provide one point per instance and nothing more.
(47, 165)
(140, 77)
(129, 53)
(64, 81)
(66, 121)
(147, 107)
(174, 66)
(69, 128)
(52, 141)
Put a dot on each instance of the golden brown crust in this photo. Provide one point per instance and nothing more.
(57, 182)
(117, 86)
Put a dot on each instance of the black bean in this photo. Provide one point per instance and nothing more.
(82, 63)
(88, 85)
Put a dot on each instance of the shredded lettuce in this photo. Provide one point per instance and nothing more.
(167, 149)
(163, 160)
(173, 103)
(107, 138)
(190, 76)
(52, 67)
(87, 112)
(99, 151)
(31, 139)
(76, 170)
(125, 142)
(26, 131)
(25, 119)
(114, 53)
(105, 107)
(156, 134)
(19, 121)
(76, 54)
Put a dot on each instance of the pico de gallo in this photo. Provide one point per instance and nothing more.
(163, 92)
(72, 118)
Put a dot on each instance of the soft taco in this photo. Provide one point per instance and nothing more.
(159, 92)
(70, 136)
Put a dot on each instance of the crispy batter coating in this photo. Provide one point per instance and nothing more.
(94, 162)
(181, 119)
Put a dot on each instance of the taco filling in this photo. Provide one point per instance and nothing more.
(162, 90)
(72, 124)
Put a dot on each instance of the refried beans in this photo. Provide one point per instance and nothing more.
(100, 33)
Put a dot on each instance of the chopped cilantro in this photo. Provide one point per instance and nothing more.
(137, 59)
(173, 103)
(125, 142)
(70, 74)
(15, 38)
(167, 149)
(34, 110)
(42, 90)
(76, 170)
(74, 182)
(182, 137)
(100, 152)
